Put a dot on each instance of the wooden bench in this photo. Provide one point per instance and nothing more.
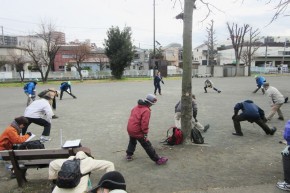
(22, 160)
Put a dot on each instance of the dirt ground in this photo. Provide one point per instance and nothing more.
(99, 117)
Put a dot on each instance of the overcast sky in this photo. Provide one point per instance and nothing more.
(90, 19)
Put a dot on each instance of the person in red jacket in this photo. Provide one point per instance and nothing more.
(138, 128)
(11, 135)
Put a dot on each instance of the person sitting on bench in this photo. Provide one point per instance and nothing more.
(11, 135)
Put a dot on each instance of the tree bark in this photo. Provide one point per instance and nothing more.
(186, 95)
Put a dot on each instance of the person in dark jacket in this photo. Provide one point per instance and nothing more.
(66, 87)
(260, 80)
(138, 128)
(252, 113)
(157, 80)
(30, 90)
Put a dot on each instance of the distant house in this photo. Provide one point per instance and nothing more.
(96, 60)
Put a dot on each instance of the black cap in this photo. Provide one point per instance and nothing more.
(111, 180)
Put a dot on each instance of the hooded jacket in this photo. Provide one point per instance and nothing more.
(88, 164)
(29, 89)
(250, 111)
(10, 136)
(138, 123)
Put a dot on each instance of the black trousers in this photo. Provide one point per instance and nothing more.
(61, 93)
(286, 168)
(38, 121)
(237, 119)
(157, 87)
(146, 144)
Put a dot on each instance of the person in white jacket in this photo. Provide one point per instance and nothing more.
(88, 164)
(276, 100)
(39, 112)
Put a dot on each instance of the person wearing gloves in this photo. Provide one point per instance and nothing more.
(66, 87)
(111, 182)
(29, 90)
(285, 185)
(195, 122)
(157, 80)
(11, 135)
(87, 164)
(138, 128)
(260, 81)
(39, 112)
(276, 100)
(252, 113)
(209, 84)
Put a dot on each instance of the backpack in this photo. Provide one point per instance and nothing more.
(35, 144)
(70, 174)
(25, 86)
(196, 136)
(176, 136)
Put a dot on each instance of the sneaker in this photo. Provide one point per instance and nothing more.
(283, 186)
(54, 117)
(44, 139)
(129, 157)
(286, 100)
(274, 129)
(281, 118)
(206, 128)
(238, 134)
(219, 91)
(161, 161)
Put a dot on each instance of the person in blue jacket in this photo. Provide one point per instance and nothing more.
(157, 80)
(260, 80)
(66, 87)
(30, 90)
(252, 113)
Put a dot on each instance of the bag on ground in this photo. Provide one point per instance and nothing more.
(174, 136)
(196, 136)
(35, 144)
(70, 174)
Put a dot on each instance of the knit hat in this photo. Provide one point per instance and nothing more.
(150, 98)
(111, 180)
(266, 84)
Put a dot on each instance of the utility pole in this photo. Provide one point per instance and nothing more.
(2, 35)
(154, 29)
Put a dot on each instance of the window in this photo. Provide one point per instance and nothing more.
(68, 56)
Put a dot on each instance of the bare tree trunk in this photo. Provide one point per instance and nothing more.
(79, 69)
(186, 95)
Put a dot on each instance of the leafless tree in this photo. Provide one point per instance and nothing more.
(281, 9)
(210, 45)
(80, 53)
(18, 61)
(250, 47)
(3, 61)
(43, 53)
(186, 93)
(237, 35)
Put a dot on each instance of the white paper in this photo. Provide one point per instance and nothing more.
(32, 135)
(72, 143)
